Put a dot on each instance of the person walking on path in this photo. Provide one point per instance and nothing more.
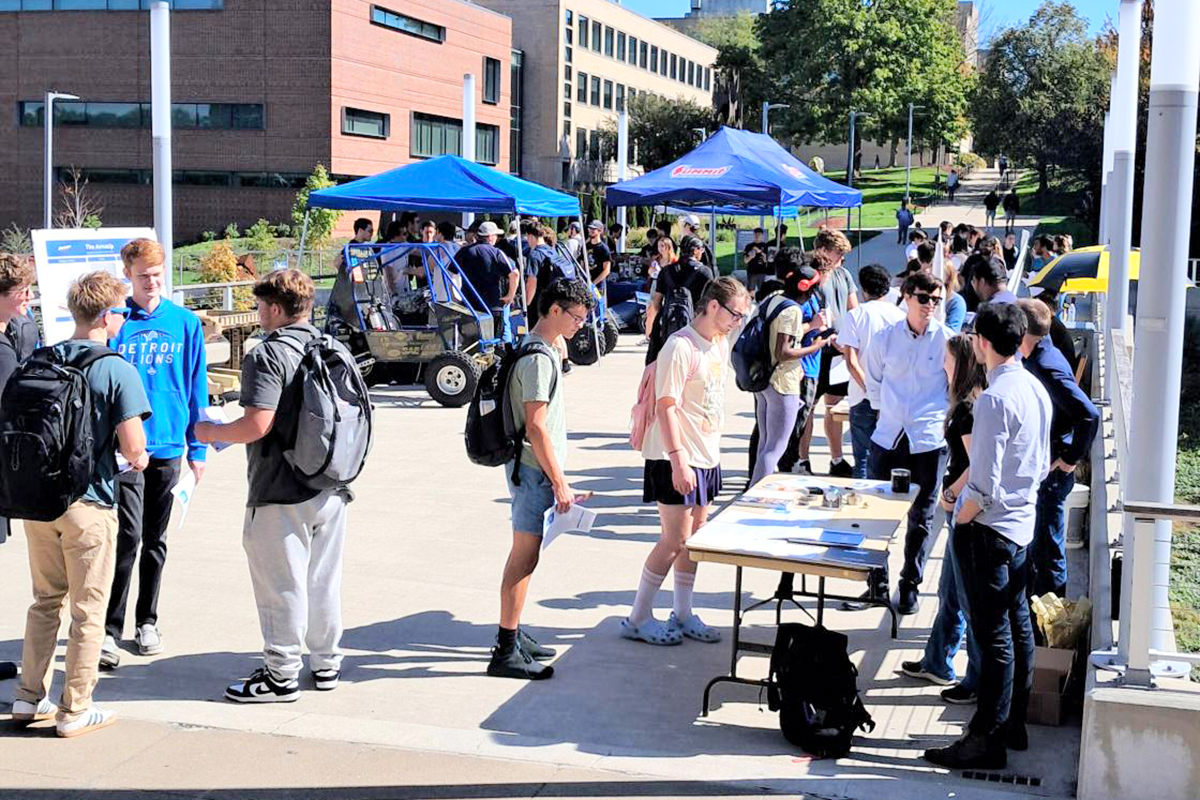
(993, 528)
(682, 452)
(1012, 207)
(990, 204)
(904, 219)
(71, 558)
(951, 185)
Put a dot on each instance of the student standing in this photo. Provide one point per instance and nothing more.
(538, 409)
(71, 558)
(599, 254)
(1073, 425)
(682, 451)
(951, 184)
(1009, 457)
(293, 534)
(904, 218)
(904, 369)
(990, 204)
(165, 344)
(754, 258)
(663, 258)
(686, 273)
(1012, 207)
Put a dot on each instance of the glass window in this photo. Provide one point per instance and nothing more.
(570, 35)
(691, 79)
(247, 116)
(594, 146)
(373, 124)
(608, 95)
(620, 46)
(633, 50)
(674, 67)
(567, 91)
(491, 80)
(567, 130)
(567, 108)
(595, 91)
(707, 79)
(569, 54)
(583, 31)
(183, 115)
(581, 143)
(620, 97)
(653, 59)
(643, 56)
(406, 24)
(114, 115)
(213, 115)
(566, 73)
(70, 112)
(596, 35)
(32, 114)
(487, 144)
(608, 41)
(581, 95)
(570, 16)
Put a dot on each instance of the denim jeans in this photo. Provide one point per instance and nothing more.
(950, 623)
(1049, 549)
(862, 425)
(995, 572)
(927, 469)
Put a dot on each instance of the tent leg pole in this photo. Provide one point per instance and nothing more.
(521, 268)
(303, 236)
(587, 273)
(860, 237)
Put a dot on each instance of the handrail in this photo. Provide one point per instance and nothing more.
(1176, 512)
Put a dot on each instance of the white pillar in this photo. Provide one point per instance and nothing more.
(1123, 120)
(160, 113)
(622, 169)
(1106, 166)
(468, 132)
(1158, 343)
(48, 123)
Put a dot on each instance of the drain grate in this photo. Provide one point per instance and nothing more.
(1005, 779)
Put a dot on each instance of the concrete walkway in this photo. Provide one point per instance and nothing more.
(428, 537)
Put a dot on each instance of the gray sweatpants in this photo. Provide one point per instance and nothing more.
(295, 557)
(776, 416)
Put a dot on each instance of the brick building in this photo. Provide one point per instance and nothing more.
(262, 90)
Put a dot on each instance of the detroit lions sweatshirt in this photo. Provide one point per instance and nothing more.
(166, 347)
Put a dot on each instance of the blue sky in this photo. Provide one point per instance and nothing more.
(998, 13)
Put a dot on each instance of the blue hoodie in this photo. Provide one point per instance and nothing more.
(166, 347)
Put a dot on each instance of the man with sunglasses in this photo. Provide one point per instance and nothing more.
(907, 383)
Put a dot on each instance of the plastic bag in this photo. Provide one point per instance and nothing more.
(1062, 622)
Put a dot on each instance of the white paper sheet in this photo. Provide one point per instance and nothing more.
(838, 371)
(577, 518)
(183, 491)
(215, 414)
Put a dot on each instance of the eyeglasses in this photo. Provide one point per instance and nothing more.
(580, 321)
(925, 299)
(737, 315)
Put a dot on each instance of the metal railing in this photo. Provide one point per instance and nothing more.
(317, 263)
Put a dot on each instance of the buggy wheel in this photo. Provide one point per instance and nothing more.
(451, 378)
(610, 334)
(581, 348)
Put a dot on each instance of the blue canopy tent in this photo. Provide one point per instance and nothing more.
(735, 172)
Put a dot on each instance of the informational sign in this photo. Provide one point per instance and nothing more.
(64, 254)
(744, 237)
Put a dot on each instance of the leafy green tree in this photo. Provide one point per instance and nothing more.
(660, 130)
(262, 239)
(321, 221)
(1042, 95)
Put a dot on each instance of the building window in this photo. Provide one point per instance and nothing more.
(516, 92)
(608, 41)
(491, 80)
(487, 144)
(691, 73)
(594, 146)
(209, 116)
(707, 79)
(570, 35)
(569, 54)
(582, 87)
(566, 73)
(581, 143)
(596, 28)
(437, 136)
(406, 24)
(662, 63)
(570, 16)
(567, 130)
(620, 97)
(643, 55)
(608, 95)
(633, 50)
(567, 109)
(674, 67)
(595, 91)
(372, 124)
(620, 46)
(653, 59)
(106, 5)
(583, 32)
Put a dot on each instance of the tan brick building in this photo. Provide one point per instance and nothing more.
(582, 59)
(262, 90)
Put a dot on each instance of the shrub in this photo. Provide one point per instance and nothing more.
(208, 236)
(282, 229)
(231, 231)
(92, 221)
(220, 265)
(635, 238)
(968, 163)
(15, 240)
(321, 221)
(261, 238)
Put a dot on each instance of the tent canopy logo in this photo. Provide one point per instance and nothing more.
(793, 171)
(684, 171)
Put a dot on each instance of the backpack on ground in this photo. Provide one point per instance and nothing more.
(491, 432)
(677, 311)
(814, 687)
(753, 354)
(334, 416)
(47, 441)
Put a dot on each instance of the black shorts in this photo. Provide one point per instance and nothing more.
(658, 488)
(823, 388)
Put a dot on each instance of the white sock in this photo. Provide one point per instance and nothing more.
(684, 583)
(643, 602)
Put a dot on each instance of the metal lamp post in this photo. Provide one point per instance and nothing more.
(766, 109)
(908, 159)
(48, 118)
(854, 115)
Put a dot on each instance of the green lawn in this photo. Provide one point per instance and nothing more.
(1056, 208)
(1185, 550)
(883, 190)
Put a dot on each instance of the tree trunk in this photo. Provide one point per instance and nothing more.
(895, 146)
(1043, 177)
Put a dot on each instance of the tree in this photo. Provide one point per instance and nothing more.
(1042, 95)
(80, 208)
(321, 221)
(660, 130)
(829, 57)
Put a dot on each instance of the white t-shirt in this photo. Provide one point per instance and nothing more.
(861, 325)
(910, 252)
(692, 371)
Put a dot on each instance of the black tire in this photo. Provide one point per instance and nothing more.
(581, 348)
(451, 378)
(610, 333)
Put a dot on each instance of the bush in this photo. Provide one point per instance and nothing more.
(220, 265)
(208, 236)
(635, 238)
(231, 231)
(92, 221)
(968, 163)
(15, 240)
(261, 238)
(282, 230)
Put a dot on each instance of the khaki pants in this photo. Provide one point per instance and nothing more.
(71, 557)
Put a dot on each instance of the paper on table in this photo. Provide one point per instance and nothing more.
(183, 492)
(215, 414)
(576, 518)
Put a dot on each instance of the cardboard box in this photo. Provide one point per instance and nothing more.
(1051, 672)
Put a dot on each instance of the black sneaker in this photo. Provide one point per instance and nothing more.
(841, 469)
(1017, 738)
(969, 752)
(325, 680)
(7, 670)
(960, 696)
(916, 669)
(516, 663)
(910, 600)
(539, 652)
(566, 367)
(261, 687)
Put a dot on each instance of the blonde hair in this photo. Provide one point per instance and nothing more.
(548, 235)
(290, 289)
(724, 290)
(92, 295)
(832, 239)
(146, 249)
(15, 271)
(950, 276)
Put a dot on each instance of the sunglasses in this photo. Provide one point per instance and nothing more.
(925, 299)
(122, 312)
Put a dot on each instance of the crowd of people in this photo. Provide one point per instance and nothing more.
(949, 377)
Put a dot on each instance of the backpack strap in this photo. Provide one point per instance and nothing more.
(770, 320)
(81, 361)
(528, 349)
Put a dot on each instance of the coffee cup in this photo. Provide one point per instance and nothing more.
(901, 481)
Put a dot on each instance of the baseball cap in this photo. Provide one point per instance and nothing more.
(489, 228)
(692, 219)
(595, 225)
(574, 226)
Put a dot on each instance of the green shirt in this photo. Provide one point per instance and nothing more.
(530, 382)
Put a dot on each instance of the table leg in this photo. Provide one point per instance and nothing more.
(737, 623)
(821, 601)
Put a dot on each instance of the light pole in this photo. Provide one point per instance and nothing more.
(854, 115)
(48, 118)
(908, 141)
(702, 133)
(766, 109)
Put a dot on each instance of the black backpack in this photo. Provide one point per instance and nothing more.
(46, 437)
(491, 433)
(678, 310)
(753, 354)
(814, 687)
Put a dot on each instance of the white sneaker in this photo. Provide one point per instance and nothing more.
(149, 640)
(26, 712)
(91, 720)
(110, 654)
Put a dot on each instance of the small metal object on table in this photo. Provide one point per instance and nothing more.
(751, 532)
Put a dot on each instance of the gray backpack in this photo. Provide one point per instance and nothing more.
(333, 415)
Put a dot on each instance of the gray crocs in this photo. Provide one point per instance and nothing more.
(694, 628)
(651, 632)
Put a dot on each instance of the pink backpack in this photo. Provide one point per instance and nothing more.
(641, 416)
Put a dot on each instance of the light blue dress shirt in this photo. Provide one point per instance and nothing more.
(913, 396)
(1010, 451)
